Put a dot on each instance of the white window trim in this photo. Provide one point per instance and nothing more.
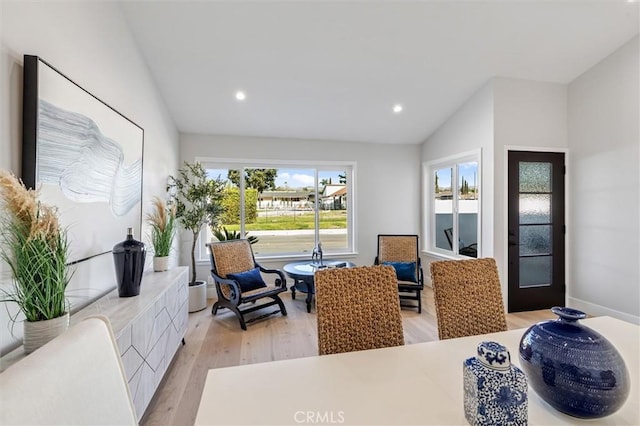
(209, 162)
(428, 224)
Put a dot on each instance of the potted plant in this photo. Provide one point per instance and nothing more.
(36, 249)
(224, 235)
(198, 202)
(162, 220)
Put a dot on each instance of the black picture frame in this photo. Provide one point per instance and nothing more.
(84, 157)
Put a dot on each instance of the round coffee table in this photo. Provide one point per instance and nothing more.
(302, 274)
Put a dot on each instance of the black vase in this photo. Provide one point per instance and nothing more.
(128, 258)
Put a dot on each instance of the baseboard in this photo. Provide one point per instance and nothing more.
(598, 310)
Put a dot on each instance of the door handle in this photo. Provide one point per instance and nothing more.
(511, 233)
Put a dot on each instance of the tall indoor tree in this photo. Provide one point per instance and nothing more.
(198, 202)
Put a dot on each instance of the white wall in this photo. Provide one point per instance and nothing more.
(388, 179)
(470, 128)
(503, 113)
(595, 120)
(91, 44)
(528, 115)
(604, 138)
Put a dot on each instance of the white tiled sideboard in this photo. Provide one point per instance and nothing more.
(149, 328)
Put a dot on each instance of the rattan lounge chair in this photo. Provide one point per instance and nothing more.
(401, 252)
(358, 309)
(238, 280)
(468, 297)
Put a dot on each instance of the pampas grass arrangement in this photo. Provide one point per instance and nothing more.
(36, 249)
(162, 220)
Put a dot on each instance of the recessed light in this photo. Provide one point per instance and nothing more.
(397, 108)
(240, 95)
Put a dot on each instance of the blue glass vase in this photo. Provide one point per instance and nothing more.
(128, 258)
(574, 368)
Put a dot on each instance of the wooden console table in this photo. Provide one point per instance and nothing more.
(149, 329)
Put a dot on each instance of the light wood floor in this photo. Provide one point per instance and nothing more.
(215, 342)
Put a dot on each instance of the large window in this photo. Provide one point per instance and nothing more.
(453, 191)
(288, 208)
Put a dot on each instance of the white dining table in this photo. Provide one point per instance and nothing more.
(419, 384)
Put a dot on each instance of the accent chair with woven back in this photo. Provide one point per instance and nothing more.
(468, 297)
(401, 252)
(239, 282)
(357, 309)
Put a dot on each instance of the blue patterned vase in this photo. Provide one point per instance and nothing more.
(574, 368)
(495, 392)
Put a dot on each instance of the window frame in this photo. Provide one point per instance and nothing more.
(428, 170)
(317, 166)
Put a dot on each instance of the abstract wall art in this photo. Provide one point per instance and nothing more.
(83, 156)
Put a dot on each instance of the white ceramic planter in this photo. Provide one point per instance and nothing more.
(38, 333)
(198, 296)
(160, 263)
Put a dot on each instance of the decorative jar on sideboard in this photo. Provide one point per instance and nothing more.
(573, 367)
(128, 259)
(495, 392)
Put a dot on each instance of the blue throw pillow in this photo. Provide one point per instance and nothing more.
(405, 271)
(248, 280)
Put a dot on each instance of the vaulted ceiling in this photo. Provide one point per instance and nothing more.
(335, 69)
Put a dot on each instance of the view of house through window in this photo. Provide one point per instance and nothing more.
(286, 209)
(455, 207)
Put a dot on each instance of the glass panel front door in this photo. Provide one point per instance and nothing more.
(536, 230)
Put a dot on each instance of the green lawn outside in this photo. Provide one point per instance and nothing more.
(329, 219)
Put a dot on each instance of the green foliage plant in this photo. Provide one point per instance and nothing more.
(198, 202)
(162, 220)
(36, 249)
(225, 235)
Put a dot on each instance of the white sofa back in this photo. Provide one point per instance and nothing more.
(76, 379)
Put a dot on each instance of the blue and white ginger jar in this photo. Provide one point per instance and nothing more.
(495, 392)
(573, 367)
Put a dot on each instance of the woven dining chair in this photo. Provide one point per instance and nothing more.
(357, 309)
(401, 252)
(468, 297)
(239, 282)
